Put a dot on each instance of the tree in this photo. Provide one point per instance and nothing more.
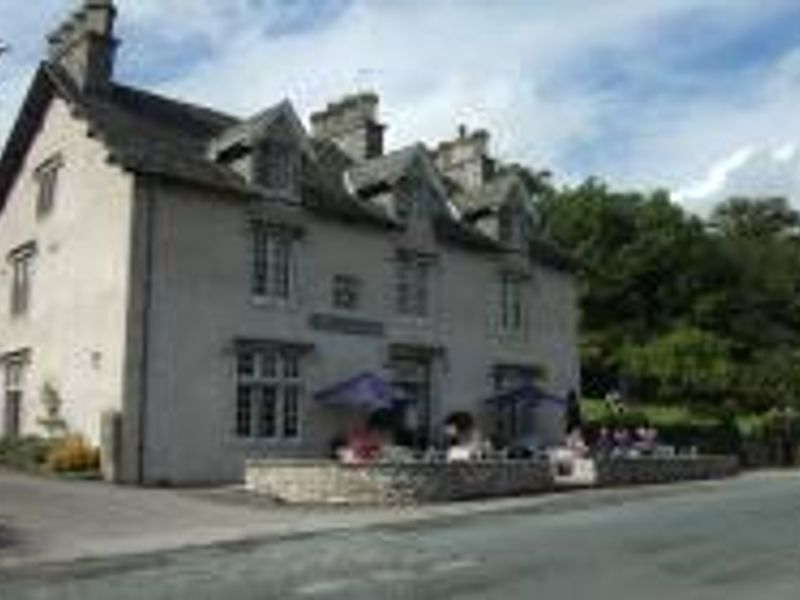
(686, 364)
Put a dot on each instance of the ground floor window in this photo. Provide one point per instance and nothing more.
(13, 381)
(269, 390)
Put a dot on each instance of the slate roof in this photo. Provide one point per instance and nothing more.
(488, 196)
(152, 135)
(382, 171)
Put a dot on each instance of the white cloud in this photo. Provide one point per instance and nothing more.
(750, 172)
(437, 63)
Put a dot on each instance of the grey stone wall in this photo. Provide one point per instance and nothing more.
(644, 470)
(328, 482)
(321, 482)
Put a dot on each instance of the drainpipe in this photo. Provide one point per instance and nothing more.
(144, 363)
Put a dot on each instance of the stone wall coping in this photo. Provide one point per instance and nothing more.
(412, 464)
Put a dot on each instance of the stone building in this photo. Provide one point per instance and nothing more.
(203, 276)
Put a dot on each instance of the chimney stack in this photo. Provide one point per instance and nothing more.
(352, 124)
(465, 159)
(84, 45)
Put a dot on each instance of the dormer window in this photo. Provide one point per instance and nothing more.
(278, 168)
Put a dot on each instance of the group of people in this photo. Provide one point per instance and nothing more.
(627, 442)
(380, 439)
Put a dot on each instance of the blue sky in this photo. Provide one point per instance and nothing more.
(699, 96)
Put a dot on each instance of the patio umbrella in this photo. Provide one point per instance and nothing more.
(366, 391)
(525, 394)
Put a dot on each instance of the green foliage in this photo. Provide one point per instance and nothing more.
(674, 308)
(684, 363)
(25, 454)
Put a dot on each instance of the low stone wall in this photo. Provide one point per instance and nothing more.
(329, 482)
(651, 470)
(326, 482)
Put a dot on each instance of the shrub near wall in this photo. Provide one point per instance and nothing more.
(677, 426)
(24, 454)
(72, 454)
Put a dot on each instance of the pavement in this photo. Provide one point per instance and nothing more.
(736, 539)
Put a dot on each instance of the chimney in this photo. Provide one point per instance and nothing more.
(466, 159)
(84, 45)
(352, 124)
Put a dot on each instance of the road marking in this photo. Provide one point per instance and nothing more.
(455, 565)
(322, 588)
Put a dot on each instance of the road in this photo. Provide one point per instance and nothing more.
(738, 540)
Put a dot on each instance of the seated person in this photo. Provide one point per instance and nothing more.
(363, 445)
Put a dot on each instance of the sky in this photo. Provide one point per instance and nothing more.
(700, 97)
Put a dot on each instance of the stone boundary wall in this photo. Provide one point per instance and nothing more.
(651, 470)
(329, 482)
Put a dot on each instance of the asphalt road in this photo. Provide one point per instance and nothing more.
(737, 540)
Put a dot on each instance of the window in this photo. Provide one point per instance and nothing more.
(14, 376)
(413, 285)
(269, 392)
(278, 166)
(346, 292)
(21, 273)
(47, 180)
(513, 315)
(274, 256)
(514, 419)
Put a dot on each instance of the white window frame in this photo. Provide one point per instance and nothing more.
(47, 178)
(21, 261)
(513, 304)
(267, 376)
(413, 285)
(14, 373)
(274, 268)
(278, 168)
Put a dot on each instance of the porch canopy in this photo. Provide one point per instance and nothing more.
(366, 391)
(526, 395)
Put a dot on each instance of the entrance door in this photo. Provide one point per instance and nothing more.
(411, 380)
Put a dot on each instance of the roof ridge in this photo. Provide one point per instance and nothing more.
(175, 103)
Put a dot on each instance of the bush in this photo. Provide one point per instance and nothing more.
(73, 454)
(26, 454)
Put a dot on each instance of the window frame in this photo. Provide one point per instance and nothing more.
(274, 263)
(269, 395)
(47, 176)
(21, 261)
(14, 388)
(513, 310)
(413, 297)
(278, 168)
(346, 291)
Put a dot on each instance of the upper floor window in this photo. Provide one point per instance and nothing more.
(21, 261)
(278, 166)
(269, 390)
(413, 284)
(47, 181)
(513, 317)
(274, 262)
(346, 292)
